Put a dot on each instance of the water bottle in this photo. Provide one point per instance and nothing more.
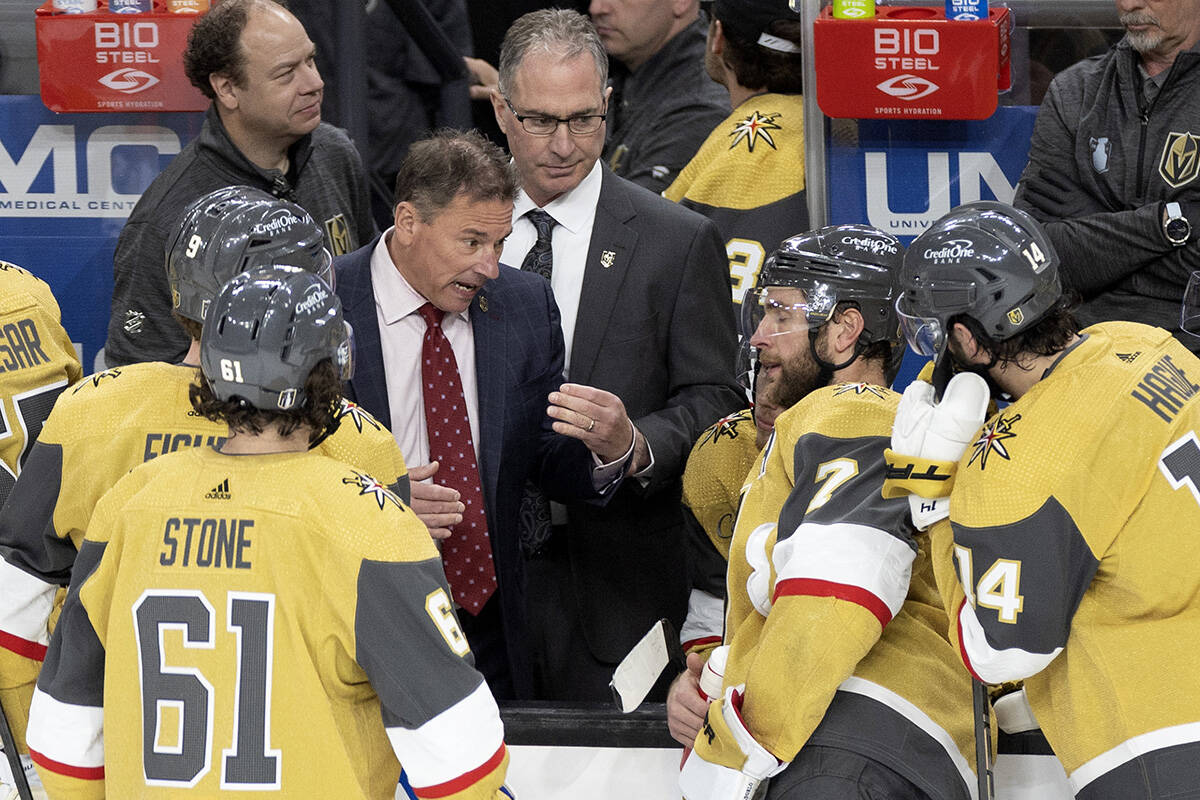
(187, 6)
(854, 9)
(969, 10)
(74, 6)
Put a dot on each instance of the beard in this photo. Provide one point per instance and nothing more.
(1143, 41)
(797, 379)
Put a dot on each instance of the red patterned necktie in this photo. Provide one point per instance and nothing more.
(467, 554)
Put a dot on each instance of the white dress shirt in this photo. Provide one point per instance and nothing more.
(574, 212)
(401, 331)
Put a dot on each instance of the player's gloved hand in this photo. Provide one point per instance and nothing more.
(726, 763)
(759, 585)
(928, 439)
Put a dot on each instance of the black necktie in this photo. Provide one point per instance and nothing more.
(540, 258)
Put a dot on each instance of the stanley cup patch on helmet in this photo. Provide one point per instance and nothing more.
(338, 234)
(1180, 162)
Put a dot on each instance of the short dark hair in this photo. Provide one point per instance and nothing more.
(1046, 337)
(757, 67)
(323, 400)
(215, 43)
(449, 163)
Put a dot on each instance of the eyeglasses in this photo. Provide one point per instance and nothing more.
(540, 125)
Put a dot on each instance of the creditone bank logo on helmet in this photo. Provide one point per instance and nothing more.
(315, 296)
(954, 251)
(870, 244)
(278, 222)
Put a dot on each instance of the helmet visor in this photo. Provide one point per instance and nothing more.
(923, 334)
(343, 359)
(778, 310)
(323, 267)
(1189, 318)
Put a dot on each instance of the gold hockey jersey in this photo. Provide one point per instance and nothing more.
(100, 429)
(278, 623)
(37, 361)
(1074, 519)
(712, 485)
(834, 622)
(748, 178)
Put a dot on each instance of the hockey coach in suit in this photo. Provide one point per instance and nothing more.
(436, 316)
(643, 287)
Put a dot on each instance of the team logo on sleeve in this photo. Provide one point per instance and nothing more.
(357, 415)
(97, 378)
(992, 440)
(726, 427)
(1180, 161)
(368, 485)
(755, 127)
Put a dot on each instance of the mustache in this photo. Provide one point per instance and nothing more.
(1138, 18)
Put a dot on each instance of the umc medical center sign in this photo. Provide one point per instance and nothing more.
(67, 184)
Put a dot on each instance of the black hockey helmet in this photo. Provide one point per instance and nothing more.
(986, 260)
(232, 230)
(834, 264)
(268, 329)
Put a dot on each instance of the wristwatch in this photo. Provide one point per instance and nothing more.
(1176, 227)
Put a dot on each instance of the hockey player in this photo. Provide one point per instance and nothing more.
(114, 420)
(1073, 512)
(242, 616)
(37, 361)
(839, 679)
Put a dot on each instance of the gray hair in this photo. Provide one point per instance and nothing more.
(552, 31)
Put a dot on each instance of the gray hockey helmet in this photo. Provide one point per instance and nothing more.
(986, 260)
(268, 329)
(834, 264)
(232, 230)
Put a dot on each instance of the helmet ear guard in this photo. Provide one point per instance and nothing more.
(986, 260)
(268, 329)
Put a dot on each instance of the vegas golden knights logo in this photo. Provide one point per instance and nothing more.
(338, 234)
(1180, 161)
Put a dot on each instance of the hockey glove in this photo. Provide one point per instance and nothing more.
(928, 439)
(727, 763)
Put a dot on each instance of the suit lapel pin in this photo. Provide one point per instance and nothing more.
(483, 304)
(607, 258)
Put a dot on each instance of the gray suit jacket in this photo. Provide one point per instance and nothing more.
(656, 328)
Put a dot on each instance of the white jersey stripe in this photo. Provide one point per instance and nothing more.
(468, 733)
(25, 605)
(1131, 749)
(66, 733)
(919, 718)
(850, 555)
(997, 666)
(705, 618)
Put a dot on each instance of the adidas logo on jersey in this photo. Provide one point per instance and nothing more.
(219, 492)
(1129, 358)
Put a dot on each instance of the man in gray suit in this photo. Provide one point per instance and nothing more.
(643, 287)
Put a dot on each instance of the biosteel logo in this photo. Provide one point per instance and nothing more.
(128, 80)
(908, 87)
